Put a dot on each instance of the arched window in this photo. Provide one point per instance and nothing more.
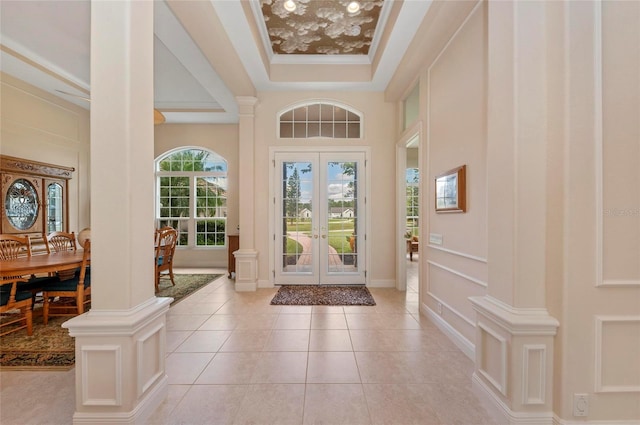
(191, 194)
(320, 119)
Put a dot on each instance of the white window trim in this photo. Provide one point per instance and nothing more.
(323, 102)
(192, 219)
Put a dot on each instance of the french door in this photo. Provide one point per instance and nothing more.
(320, 218)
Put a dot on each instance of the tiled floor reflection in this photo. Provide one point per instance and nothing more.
(232, 358)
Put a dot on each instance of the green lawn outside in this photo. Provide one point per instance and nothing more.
(339, 232)
(293, 247)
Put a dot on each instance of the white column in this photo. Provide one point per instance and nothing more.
(515, 333)
(120, 342)
(247, 256)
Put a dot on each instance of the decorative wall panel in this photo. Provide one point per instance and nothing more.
(617, 366)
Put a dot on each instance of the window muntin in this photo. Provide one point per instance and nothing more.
(413, 211)
(315, 120)
(192, 196)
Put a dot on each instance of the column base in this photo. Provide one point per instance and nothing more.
(246, 269)
(120, 363)
(514, 360)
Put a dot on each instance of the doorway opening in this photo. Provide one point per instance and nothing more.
(408, 224)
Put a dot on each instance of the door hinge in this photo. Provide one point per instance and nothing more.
(365, 274)
(274, 236)
(274, 273)
(274, 163)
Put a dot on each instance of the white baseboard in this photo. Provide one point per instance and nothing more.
(246, 286)
(466, 346)
(559, 421)
(382, 283)
(502, 411)
(140, 413)
(265, 284)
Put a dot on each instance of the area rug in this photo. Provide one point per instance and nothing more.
(185, 285)
(51, 348)
(322, 295)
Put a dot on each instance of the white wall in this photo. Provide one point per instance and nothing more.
(41, 127)
(455, 136)
(222, 139)
(601, 291)
(379, 124)
(591, 211)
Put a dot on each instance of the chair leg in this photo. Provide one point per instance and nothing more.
(171, 276)
(157, 281)
(45, 309)
(29, 315)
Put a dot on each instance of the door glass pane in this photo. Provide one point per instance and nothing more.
(297, 189)
(342, 217)
(21, 204)
(54, 208)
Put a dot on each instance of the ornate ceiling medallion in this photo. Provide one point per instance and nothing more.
(324, 27)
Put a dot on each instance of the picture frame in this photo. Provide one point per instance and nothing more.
(450, 191)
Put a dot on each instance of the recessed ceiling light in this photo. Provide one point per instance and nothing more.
(290, 5)
(353, 7)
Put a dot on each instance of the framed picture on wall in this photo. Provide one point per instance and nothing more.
(451, 190)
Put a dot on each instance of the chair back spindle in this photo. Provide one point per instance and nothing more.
(62, 241)
(14, 246)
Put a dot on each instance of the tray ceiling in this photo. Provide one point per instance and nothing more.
(320, 27)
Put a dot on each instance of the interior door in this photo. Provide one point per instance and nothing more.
(320, 220)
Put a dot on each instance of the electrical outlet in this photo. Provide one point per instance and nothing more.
(440, 308)
(580, 405)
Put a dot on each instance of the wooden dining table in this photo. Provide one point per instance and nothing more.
(45, 263)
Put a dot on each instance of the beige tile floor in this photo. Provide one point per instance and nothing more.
(232, 358)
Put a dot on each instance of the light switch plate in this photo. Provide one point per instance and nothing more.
(435, 238)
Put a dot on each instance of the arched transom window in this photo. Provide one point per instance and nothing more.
(191, 187)
(320, 119)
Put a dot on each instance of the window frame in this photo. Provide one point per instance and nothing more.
(291, 109)
(192, 220)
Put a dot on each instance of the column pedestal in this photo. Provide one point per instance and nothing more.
(246, 269)
(514, 361)
(120, 363)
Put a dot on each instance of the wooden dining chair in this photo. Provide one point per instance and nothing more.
(15, 306)
(39, 244)
(61, 241)
(69, 297)
(14, 246)
(166, 241)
